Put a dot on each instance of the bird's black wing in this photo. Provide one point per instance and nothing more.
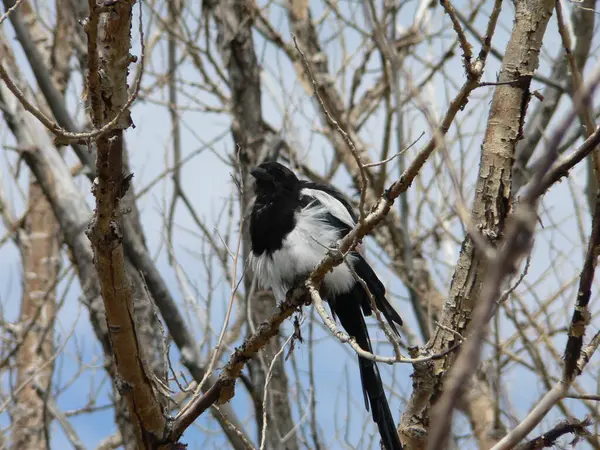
(350, 306)
(341, 215)
(364, 271)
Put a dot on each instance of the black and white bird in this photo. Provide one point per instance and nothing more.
(292, 225)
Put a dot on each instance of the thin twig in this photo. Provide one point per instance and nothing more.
(263, 434)
(400, 153)
(345, 136)
(235, 283)
(462, 38)
(10, 10)
(63, 136)
(549, 438)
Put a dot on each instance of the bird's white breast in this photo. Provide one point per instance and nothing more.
(303, 248)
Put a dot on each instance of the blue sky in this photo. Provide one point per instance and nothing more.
(207, 180)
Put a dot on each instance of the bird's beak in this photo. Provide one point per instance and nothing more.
(261, 174)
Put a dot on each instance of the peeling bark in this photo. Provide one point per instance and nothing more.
(41, 261)
(490, 206)
(109, 42)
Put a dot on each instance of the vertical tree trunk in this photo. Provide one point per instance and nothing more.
(41, 262)
(39, 249)
(490, 208)
(234, 21)
(54, 52)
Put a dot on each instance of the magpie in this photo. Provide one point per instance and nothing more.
(293, 223)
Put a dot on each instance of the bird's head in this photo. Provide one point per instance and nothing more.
(272, 177)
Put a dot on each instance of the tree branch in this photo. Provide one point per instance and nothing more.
(549, 438)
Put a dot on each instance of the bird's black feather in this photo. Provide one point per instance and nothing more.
(348, 310)
(364, 270)
(272, 217)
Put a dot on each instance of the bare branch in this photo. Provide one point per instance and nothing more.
(576, 427)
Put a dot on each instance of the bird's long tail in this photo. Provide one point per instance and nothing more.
(347, 308)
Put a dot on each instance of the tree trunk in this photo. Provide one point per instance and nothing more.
(234, 21)
(41, 261)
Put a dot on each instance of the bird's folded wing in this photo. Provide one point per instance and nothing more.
(332, 200)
